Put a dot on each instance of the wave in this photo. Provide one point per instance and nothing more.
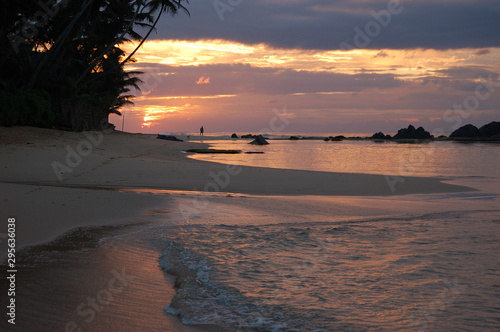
(367, 274)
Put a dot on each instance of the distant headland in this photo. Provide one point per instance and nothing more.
(489, 132)
(469, 132)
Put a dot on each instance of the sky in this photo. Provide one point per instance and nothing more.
(345, 66)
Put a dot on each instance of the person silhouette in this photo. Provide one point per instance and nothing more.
(202, 131)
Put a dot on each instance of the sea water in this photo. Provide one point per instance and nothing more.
(438, 158)
(436, 271)
(426, 262)
(432, 267)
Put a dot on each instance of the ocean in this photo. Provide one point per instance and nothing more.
(435, 159)
(423, 262)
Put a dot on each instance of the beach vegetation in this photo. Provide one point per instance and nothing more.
(63, 64)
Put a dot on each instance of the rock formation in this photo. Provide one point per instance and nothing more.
(412, 133)
(259, 140)
(467, 131)
(490, 130)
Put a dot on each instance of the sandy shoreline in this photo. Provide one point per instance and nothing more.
(56, 173)
(53, 181)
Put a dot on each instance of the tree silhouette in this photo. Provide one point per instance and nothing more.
(64, 64)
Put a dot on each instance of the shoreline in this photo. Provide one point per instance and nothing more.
(121, 161)
(104, 187)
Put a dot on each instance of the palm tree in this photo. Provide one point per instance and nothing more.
(171, 6)
(75, 63)
(59, 42)
(139, 4)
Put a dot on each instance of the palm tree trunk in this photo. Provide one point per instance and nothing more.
(116, 41)
(58, 43)
(147, 35)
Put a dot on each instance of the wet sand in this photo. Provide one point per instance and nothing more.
(53, 182)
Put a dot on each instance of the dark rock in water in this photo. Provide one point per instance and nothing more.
(336, 138)
(248, 136)
(379, 135)
(491, 129)
(467, 131)
(234, 135)
(259, 140)
(327, 139)
(412, 133)
(294, 138)
(214, 151)
(169, 138)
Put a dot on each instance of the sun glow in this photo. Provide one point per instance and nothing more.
(152, 114)
(408, 64)
(224, 81)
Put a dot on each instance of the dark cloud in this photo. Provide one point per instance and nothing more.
(322, 24)
(463, 72)
(381, 54)
(482, 52)
(245, 79)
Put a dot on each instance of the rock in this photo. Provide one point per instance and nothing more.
(379, 135)
(467, 131)
(327, 139)
(234, 135)
(259, 140)
(412, 133)
(168, 137)
(336, 138)
(294, 138)
(490, 129)
(248, 136)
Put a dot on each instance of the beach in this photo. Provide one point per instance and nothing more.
(89, 188)
(32, 159)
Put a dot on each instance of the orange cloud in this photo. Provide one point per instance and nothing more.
(203, 80)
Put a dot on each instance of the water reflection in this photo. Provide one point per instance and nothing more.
(431, 159)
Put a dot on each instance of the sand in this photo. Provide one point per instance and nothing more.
(52, 176)
(53, 181)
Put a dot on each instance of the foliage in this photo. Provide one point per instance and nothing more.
(25, 107)
(68, 52)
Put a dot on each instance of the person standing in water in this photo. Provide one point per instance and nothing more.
(202, 131)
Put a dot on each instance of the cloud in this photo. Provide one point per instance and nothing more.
(482, 52)
(381, 54)
(203, 80)
(321, 24)
(245, 79)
